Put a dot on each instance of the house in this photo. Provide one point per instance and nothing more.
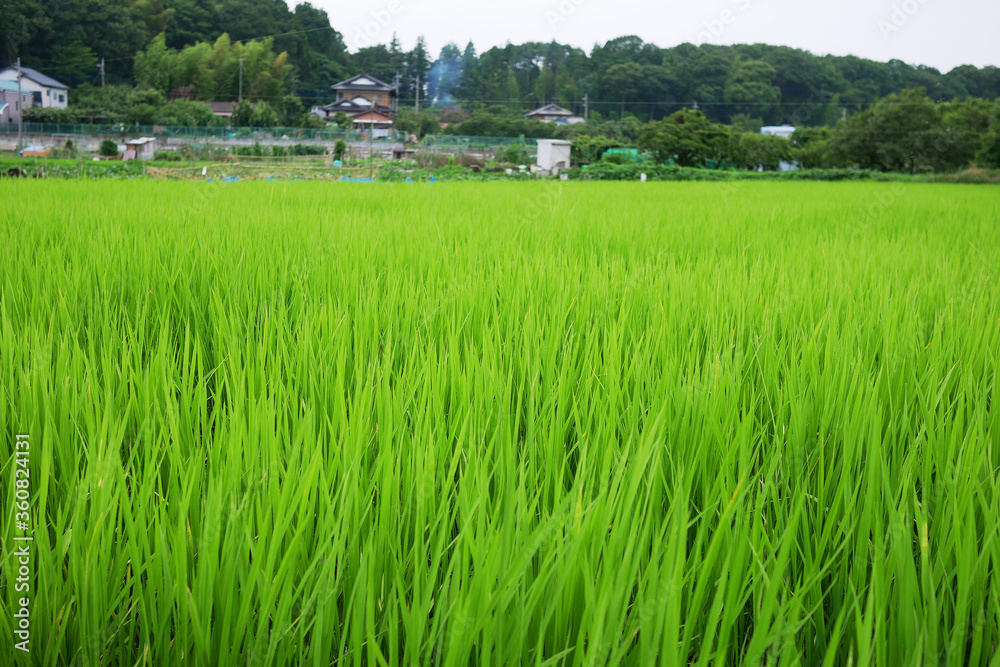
(553, 113)
(379, 123)
(10, 105)
(368, 102)
(139, 149)
(365, 88)
(783, 131)
(221, 109)
(47, 92)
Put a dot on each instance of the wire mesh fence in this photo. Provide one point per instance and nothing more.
(209, 132)
(293, 134)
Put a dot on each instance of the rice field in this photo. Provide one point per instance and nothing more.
(514, 423)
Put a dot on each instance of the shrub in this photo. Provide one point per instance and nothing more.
(108, 148)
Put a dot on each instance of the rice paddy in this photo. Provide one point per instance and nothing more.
(515, 423)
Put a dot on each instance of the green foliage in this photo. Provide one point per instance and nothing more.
(187, 113)
(420, 124)
(339, 148)
(259, 114)
(342, 120)
(586, 149)
(108, 148)
(811, 147)
(487, 124)
(211, 72)
(514, 154)
(687, 137)
(313, 122)
(144, 105)
(897, 134)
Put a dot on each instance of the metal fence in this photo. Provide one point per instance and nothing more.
(124, 130)
(449, 141)
(211, 132)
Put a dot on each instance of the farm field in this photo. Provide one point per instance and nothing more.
(515, 423)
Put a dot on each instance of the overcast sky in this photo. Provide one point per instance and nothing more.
(939, 33)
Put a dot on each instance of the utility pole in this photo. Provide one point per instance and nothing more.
(101, 64)
(241, 79)
(586, 106)
(20, 107)
(418, 94)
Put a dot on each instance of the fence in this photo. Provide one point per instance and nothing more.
(449, 141)
(211, 132)
(124, 130)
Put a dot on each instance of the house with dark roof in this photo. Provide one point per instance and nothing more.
(368, 102)
(46, 91)
(365, 87)
(553, 113)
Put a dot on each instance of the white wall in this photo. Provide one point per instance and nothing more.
(551, 153)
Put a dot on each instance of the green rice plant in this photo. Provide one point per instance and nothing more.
(517, 423)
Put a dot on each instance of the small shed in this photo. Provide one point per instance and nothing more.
(553, 155)
(140, 149)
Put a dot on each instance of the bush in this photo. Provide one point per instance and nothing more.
(516, 154)
(108, 148)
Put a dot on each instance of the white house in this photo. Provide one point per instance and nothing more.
(553, 113)
(47, 91)
(783, 131)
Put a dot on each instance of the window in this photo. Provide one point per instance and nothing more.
(377, 99)
(62, 98)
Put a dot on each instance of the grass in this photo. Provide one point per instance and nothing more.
(547, 424)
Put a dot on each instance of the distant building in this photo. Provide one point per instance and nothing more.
(368, 102)
(10, 105)
(222, 109)
(553, 113)
(553, 155)
(784, 131)
(364, 87)
(139, 149)
(46, 91)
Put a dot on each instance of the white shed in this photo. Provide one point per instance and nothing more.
(553, 155)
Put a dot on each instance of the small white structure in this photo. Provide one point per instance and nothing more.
(783, 131)
(553, 155)
(47, 91)
(139, 149)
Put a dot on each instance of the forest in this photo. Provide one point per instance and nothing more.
(194, 47)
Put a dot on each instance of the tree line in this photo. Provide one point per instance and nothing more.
(67, 39)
